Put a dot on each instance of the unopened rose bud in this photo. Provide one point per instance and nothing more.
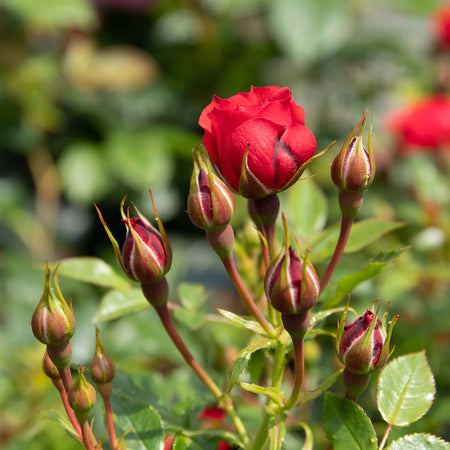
(292, 285)
(81, 396)
(353, 169)
(363, 345)
(49, 368)
(146, 255)
(53, 322)
(210, 201)
(102, 367)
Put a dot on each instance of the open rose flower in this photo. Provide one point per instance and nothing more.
(422, 126)
(257, 140)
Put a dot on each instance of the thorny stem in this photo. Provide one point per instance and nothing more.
(224, 401)
(385, 437)
(110, 421)
(346, 226)
(230, 267)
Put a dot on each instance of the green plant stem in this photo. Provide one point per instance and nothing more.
(277, 378)
(110, 422)
(230, 267)
(223, 400)
(385, 437)
(299, 359)
(346, 226)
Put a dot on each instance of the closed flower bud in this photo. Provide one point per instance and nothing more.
(292, 285)
(81, 396)
(49, 368)
(146, 255)
(363, 345)
(210, 202)
(53, 322)
(102, 366)
(353, 169)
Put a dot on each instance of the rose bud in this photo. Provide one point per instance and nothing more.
(81, 396)
(363, 345)
(210, 202)
(102, 367)
(53, 322)
(353, 169)
(146, 254)
(291, 285)
(258, 140)
(49, 368)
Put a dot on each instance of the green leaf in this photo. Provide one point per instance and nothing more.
(63, 422)
(241, 362)
(91, 270)
(362, 234)
(184, 443)
(191, 319)
(240, 322)
(405, 389)
(308, 396)
(192, 296)
(140, 420)
(349, 282)
(311, 216)
(347, 425)
(275, 394)
(419, 441)
(115, 304)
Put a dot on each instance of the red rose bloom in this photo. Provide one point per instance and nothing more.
(441, 25)
(424, 125)
(270, 126)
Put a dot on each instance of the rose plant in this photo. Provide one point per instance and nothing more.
(259, 145)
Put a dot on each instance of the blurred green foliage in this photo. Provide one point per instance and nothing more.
(101, 102)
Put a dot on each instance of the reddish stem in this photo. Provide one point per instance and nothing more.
(346, 226)
(110, 421)
(73, 420)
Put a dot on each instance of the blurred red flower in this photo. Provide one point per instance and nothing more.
(441, 25)
(422, 126)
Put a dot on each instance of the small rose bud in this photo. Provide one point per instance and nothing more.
(81, 396)
(353, 169)
(363, 345)
(146, 255)
(53, 322)
(102, 367)
(49, 368)
(292, 285)
(210, 201)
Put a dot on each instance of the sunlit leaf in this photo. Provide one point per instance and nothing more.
(419, 441)
(115, 304)
(405, 389)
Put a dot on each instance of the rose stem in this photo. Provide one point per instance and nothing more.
(225, 402)
(230, 267)
(346, 226)
(73, 420)
(277, 377)
(86, 430)
(299, 372)
(110, 421)
(385, 437)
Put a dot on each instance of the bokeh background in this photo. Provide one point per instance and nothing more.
(100, 99)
